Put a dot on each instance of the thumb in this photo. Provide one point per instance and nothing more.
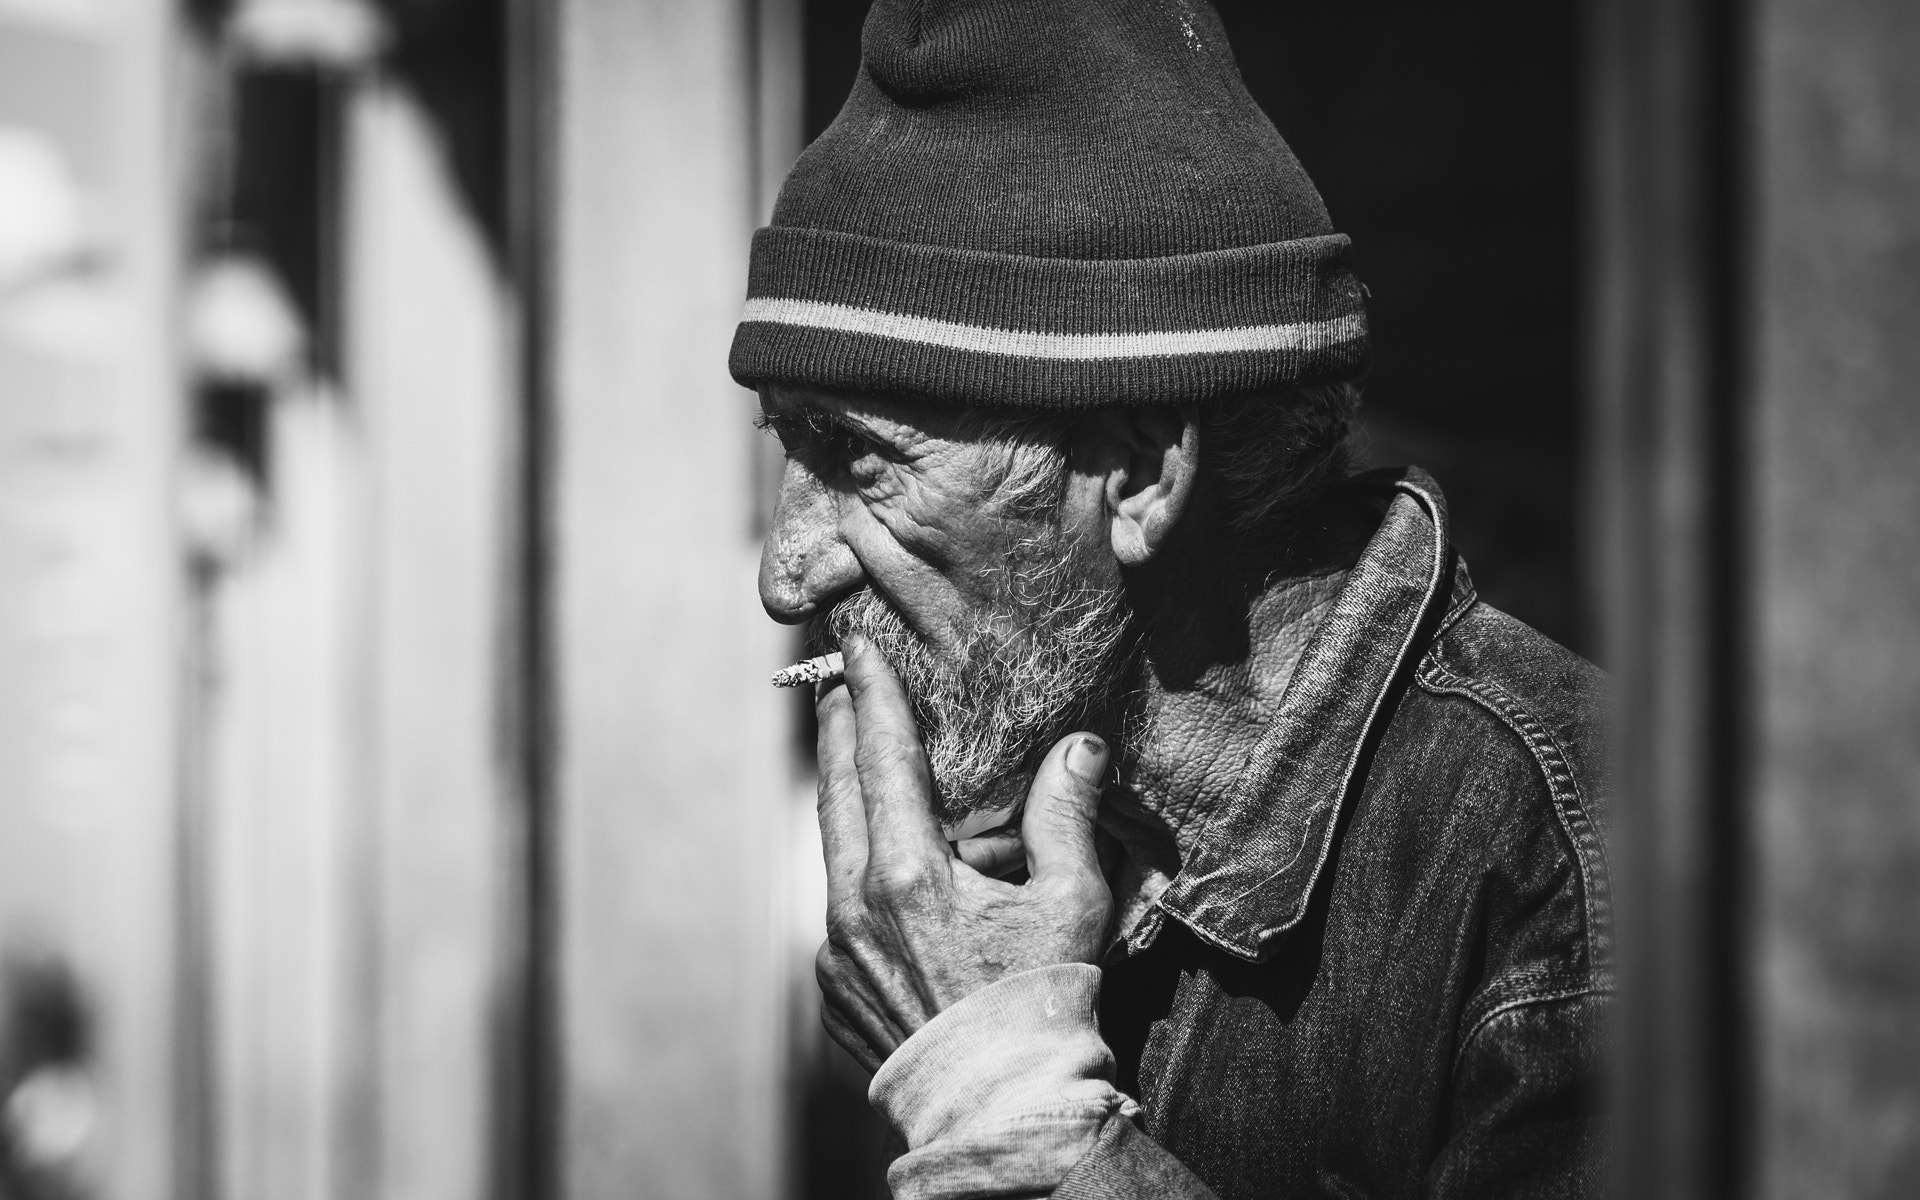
(1058, 824)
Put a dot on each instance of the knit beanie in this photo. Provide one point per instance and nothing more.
(1049, 204)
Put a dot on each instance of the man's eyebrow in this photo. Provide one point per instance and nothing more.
(804, 420)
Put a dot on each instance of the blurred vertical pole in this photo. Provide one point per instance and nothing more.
(527, 1098)
(125, 891)
(779, 135)
(668, 782)
(776, 31)
(428, 373)
(287, 797)
(1836, 495)
(286, 816)
(1755, 229)
(1667, 426)
(779, 97)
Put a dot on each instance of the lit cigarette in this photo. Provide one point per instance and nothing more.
(814, 670)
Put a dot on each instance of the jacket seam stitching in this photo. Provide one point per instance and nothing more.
(1562, 788)
(1467, 600)
(1520, 984)
(1524, 1000)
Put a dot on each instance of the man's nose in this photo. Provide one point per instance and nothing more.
(805, 564)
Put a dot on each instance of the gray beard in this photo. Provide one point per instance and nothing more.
(1051, 655)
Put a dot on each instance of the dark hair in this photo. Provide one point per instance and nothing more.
(1271, 456)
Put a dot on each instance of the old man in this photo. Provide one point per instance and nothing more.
(1191, 827)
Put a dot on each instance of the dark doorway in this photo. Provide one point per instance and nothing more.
(1444, 138)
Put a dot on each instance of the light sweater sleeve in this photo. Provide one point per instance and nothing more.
(1003, 1093)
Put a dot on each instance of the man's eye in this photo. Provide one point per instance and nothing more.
(849, 447)
(824, 443)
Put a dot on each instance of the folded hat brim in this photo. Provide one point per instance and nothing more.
(845, 312)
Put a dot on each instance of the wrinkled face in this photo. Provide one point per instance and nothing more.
(979, 566)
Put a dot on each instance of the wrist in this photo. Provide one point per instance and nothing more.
(1027, 1045)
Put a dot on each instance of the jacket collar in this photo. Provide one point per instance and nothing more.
(1255, 863)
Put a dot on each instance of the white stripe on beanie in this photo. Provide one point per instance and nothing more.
(1022, 343)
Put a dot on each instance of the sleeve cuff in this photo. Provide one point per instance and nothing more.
(1004, 1092)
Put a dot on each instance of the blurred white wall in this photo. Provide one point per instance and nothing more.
(673, 792)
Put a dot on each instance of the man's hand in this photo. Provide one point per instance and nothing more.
(911, 929)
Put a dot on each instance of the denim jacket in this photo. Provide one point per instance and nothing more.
(1383, 970)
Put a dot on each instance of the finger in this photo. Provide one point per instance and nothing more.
(895, 788)
(843, 823)
(848, 1013)
(1061, 807)
(847, 1039)
(841, 1030)
(997, 853)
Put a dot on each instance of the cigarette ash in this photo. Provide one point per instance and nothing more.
(814, 670)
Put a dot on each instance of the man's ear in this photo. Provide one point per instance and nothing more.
(1153, 465)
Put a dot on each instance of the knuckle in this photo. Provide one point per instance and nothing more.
(1073, 884)
(1084, 896)
(1095, 918)
(895, 884)
(1100, 912)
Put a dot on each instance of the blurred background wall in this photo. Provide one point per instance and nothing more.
(391, 802)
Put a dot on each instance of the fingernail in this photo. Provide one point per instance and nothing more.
(1087, 758)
